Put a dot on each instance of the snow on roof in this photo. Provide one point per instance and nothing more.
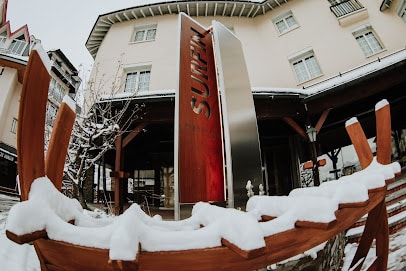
(48, 209)
(138, 95)
(357, 72)
(304, 92)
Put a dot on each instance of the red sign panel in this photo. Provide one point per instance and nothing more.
(200, 148)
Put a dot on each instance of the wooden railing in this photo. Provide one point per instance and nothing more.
(57, 255)
(346, 7)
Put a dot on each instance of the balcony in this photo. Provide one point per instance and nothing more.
(346, 7)
(349, 12)
(72, 82)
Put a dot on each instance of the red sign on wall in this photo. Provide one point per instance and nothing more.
(200, 148)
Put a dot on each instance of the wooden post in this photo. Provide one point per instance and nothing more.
(376, 226)
(383, 134)
(360, 142)
(58, 145)
(118, 185)
(31, 123)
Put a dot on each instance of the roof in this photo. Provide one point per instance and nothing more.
(249, 9)
(64, 59)
(306, 93)
(16, 62)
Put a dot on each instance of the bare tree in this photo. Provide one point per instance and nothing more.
(96, 129)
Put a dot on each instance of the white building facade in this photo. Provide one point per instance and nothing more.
(297, 53)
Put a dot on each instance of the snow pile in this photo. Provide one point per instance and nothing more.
(47, 209)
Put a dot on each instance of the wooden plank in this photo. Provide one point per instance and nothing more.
(246, 254)
(70, 257)
(360, 142)
(26, 238)
(292, 123)
(31, 123)
(118, 184)
(133, 133)
(383, 135)
(370, 231)
(321, 120)
(382, 241)
(58, 144)
(278, 247)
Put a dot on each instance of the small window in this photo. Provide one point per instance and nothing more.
(402, 10)
(50, 114)
(146, 33)
(285, 22)
(17, 47)
(305, 66)
(368, 41)
(137, 81)
(3, 39)
(14, 123)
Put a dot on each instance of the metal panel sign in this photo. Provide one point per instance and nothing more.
(243, 156)
(198, 137)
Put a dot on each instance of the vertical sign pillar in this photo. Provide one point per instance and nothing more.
(242, 150)
(199, 167)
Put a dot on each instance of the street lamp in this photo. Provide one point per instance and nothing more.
(312, 134)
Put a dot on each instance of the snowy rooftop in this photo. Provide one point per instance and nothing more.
(313, 90)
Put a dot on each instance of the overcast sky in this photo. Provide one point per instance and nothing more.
(64, 25)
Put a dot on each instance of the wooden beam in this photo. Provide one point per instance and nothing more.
(370, 231)
(360, 143)
(292, 123)
(133, 134)
(31, 123)
(383, 135)
(58, 144)
(118, 199)
(322, 119)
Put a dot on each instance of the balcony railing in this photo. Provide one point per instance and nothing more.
(346, 7)
(74, 83)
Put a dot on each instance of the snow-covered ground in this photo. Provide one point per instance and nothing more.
(16, 257)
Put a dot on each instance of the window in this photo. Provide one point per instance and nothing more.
(17, 46)
(145, 33)
(50, 114)
(56, 91)
(3, 39)
(137, 81)
(14, 123)
(285, 22)
(402, 10)
(305, 66)
(367, 41)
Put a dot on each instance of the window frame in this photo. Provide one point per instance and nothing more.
(51, 111)
(402, 10)
(145, 29)
(137, 70)
(304, 57)
(14, 125)
(282, 17)
(369, 38)
(19, 48)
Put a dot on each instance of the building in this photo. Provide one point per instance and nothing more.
(310, 63)
(15, 47)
